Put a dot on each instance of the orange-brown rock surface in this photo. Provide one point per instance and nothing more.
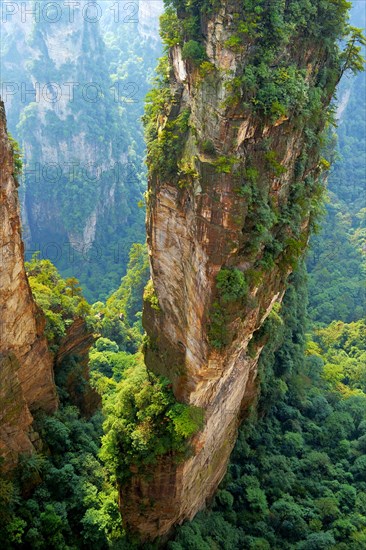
(76, 343)
(26, 365)
(240, 200)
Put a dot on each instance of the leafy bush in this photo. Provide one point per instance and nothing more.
(150, 295)
(60, 299)
(217, 330)
(170, 29)
(193, 51)
(232, 285)
(17, 156)
(144, 422)
(224, 165)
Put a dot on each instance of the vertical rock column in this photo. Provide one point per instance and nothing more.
(26, 365)
(232, 192)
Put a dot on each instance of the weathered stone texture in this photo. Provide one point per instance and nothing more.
(26, 371)
(199, 222)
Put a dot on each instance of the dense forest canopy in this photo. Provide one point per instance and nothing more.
(297, 476)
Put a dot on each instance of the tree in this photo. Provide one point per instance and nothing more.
(351, 58)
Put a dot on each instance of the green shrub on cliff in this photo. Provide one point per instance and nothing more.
(193, 51)
(164, 138)
(61, 300)
(231, 287)
(144, 422)
(17, 156)
(231, 284)
(170, 28)
(150, 295)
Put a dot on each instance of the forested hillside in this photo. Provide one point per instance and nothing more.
(297, 475)
(336, 263)
(74, 82)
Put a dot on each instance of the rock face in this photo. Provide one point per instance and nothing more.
(226, 224)
(77, 343)
(26, 365)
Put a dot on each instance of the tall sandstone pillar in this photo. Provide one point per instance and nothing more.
(234, 165)
(26, 365)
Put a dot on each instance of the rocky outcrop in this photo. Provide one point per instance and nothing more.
(76, 344)
(26, 365)
(225, 228)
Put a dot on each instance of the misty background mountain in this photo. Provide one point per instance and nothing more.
(74, 83)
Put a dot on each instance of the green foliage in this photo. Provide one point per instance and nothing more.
(60, 299)
(342, 348)
(144, 422)
(170, 28)
(270, 85)
(194, 52)
(231, 284)
(273, 164)
(218, 333)
(150, 295)
(351, 57)
(187, 420)
(127, 300)
(251, 174)
(17, 157)
(71, 502)
(232, 288)
(224, 165)
(276, 92)
(119, 319)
